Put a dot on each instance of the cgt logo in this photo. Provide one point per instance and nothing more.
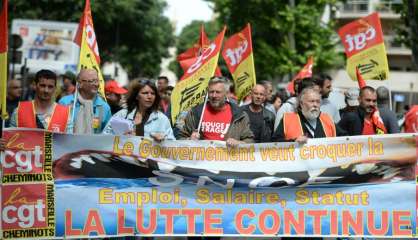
(22, 155)
(359, 41)
(23, 206)
(235, 55)
(199, 61)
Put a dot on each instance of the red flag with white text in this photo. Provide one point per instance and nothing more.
(190, 55)
(238, 55)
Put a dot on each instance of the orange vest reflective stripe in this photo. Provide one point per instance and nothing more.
(293, 126)
(26, 116)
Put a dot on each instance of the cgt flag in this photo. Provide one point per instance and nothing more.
(364, 48)
(304, 73)
(238, 55)
(3, 58)
(192, 88)
(189, 56)
(89, 50)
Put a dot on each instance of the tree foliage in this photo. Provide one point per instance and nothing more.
(408, 32)
(273, 25)
(135, 33)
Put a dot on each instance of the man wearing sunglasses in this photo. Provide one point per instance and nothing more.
(91, 112)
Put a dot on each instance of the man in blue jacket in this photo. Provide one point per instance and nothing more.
(91, 111)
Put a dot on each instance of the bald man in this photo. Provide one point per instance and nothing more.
(261, 119)
(91, 111)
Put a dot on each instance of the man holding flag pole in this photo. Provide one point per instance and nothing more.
(90, 110)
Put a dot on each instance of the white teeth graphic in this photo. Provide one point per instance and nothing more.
(101, 157)
(78, 162)
(165, 167)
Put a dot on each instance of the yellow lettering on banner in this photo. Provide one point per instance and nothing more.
(105, 196)
(375, 147)
(278, 153)
(127, 148)
(331, 151)
(205, 196)
(304, 196)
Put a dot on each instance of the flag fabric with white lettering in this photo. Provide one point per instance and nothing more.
(238, 55)
(89, 49)
(190, 55)
(192, 88)
(365, 48)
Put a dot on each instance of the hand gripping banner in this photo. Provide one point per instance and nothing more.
(106, 186)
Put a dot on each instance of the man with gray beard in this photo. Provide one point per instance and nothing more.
(307, 122)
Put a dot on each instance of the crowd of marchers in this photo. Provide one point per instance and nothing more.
(263, 116)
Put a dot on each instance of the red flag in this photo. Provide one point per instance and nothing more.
(238, 55)
(304, 73)
(360, 80)
(86, 24)
(3, 28)
(190, 55)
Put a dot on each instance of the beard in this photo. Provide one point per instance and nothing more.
(217, 103)
(311, 114)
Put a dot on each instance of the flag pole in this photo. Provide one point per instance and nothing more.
(74, 103)
(203, 111)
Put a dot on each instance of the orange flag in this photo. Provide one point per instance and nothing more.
(238, 55)
(3, 58)
(89, 49)
(304, 73)
(360, 80)
(190, 55)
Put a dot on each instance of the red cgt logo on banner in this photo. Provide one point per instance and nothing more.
(28, 211)
(24, 153)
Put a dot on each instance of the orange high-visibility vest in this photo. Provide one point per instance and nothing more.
(293, 126)
(26, 116)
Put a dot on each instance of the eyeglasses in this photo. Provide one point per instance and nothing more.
(90, 81)
(145, 81)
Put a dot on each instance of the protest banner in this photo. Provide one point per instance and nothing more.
(364, 48)
(238, 55)
(124, 186)
(305, 72)
(191, 90)
(187, 58)
(89, 48)
(3, 59)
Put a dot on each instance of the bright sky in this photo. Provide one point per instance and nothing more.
(185, 11)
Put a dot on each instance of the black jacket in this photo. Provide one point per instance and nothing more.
(268, 126)
(353, 122)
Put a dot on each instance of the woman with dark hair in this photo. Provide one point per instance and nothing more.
(143, 103)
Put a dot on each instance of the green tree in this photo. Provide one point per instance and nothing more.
(408, 32)
(284, 33)
(135, 33)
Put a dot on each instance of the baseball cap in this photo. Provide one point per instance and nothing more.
(112, 86)
(351, 96)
